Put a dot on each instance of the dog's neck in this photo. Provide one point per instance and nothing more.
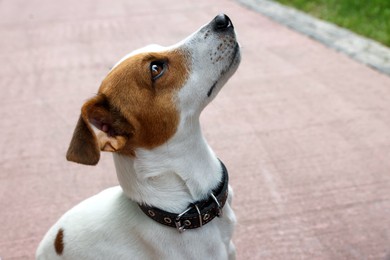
(173, 175)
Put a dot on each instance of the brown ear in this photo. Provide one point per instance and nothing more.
(100, 128)
(83, 147)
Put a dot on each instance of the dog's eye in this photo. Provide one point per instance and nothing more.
(157, 69)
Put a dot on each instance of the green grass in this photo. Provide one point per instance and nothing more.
(370, 18)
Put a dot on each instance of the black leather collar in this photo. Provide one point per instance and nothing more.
(198, 213)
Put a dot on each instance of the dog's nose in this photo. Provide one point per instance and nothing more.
(221, 22)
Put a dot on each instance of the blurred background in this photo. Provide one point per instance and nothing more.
(303, 129)
(367, 18)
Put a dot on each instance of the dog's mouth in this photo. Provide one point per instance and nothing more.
(211, 89)
(229, 67)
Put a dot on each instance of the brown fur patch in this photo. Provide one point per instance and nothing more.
(131, 109)
(147, 105)
(59, 242)
(83, 147)
(113, 133)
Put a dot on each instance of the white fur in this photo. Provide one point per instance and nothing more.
(110, 225)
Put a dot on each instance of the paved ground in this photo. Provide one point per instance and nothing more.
(305, 131)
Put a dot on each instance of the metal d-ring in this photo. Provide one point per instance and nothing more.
(199, 215)
(219, 213)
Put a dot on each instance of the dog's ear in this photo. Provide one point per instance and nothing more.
(100, 128)
(83, 147)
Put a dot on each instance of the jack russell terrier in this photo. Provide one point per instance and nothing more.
(147, 113)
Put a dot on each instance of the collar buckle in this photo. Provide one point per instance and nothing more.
(182, 227)
(179, 226)
(197, 214)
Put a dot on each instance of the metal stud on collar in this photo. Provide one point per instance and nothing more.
(151, 213)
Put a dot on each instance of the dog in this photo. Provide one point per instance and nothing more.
(174, 200)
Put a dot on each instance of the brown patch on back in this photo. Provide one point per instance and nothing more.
(147, 105)
(59, 242)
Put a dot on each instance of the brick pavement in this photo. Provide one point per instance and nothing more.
(305, 131)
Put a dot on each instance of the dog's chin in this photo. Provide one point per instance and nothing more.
(226, 73)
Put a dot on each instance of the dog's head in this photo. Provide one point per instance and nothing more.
(145, 96)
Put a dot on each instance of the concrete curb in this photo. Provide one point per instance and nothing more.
(359, 48)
